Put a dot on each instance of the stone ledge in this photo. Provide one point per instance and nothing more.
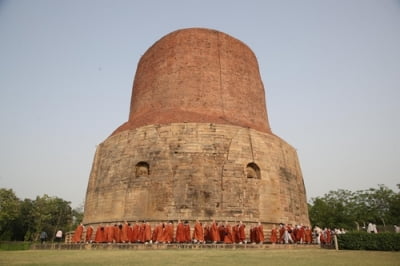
(105, 246)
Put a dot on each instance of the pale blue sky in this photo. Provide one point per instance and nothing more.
(331, 71)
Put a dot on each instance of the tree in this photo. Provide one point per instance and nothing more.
(24, 220)
(343, 208)
(9, 212)
(394, 208)
(332, 210)
(50, 214)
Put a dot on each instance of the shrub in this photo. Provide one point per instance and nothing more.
(368, 241)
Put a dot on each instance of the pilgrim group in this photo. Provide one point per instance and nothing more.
(166, 233)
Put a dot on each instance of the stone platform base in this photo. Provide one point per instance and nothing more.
(95, 246)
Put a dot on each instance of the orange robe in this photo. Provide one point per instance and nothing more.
(100, 236)
(141, 236)
(198, 232)
(160, 233)
(78, 234)
(110, 234)
(322, 238)
(117, 233)
(308, 235)
(180, 233)
(242, 233)
(214, 233)
(207, 236)
(221, 232)
(187, 233)
(135, 233)
(147, 233)
(235, 234)
(302, 234)
(154, 234)
(124, 233)
(259, 234)
(328, 236)
(130, 232)
(252, 235)
(89, 233)
(228, 235)
(274, 235)
(168, 235)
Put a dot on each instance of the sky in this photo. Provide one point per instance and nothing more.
(331, 72)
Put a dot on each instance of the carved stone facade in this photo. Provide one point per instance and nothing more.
(197, 144)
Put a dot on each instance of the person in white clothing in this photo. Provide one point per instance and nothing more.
(59, 235)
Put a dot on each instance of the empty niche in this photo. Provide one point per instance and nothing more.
(142, 169)
(253, 171)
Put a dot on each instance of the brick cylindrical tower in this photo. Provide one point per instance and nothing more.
(197, 144)
(198, 75)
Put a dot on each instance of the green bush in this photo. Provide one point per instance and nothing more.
(368, 241)
(15, 245)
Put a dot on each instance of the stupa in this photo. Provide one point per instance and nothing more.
(197, 144)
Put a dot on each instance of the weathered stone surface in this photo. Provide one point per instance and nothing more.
(195, 171)
(197, 144)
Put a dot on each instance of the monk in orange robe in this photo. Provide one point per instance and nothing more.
(180, 232)
(235, 233)
(159, 233)
(78, 234)
(89, 232)
(117, 233)
(147, 233)
(207, 237)
(214, 233)
(100, 235)
(302, 234)
(259, 233)
(274, 235)
(168, 236)
(154, 234)
(322, 237)
(308, 235)
(242, 233)
(130, 231)
(187, 232)
(252, 234)
(328, 237)
(198, 232)
(135, 233)
(124, 232)
(141, 236)
(109, 234)
(228, 234)
(221, 231)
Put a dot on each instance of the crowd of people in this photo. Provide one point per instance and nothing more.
(213, 232)
(166, 233)
(324, 236)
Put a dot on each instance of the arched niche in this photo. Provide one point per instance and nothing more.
(253, 171)
(142, 169)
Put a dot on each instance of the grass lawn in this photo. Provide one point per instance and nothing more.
(287, 257)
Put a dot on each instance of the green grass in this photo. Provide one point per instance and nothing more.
(8, 245)
(202, 257)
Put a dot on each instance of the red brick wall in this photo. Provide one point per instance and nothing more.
(198, 75)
